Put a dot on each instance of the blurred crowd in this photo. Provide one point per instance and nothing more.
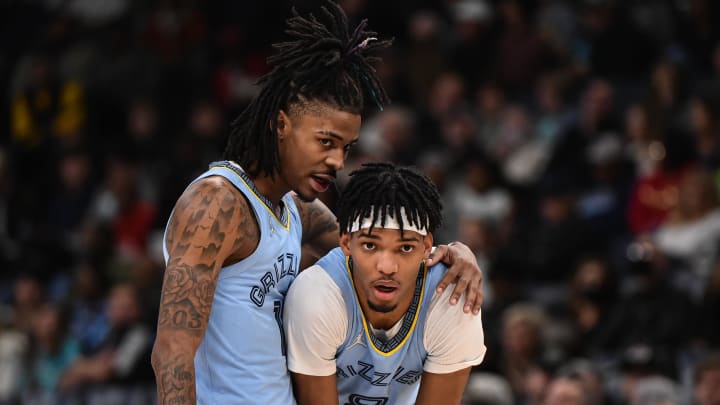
(576, 145)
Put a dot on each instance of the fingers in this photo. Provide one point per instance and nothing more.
(470, 297)
(460, 287)
(463, 271)
(437, 255)
(475, 295)
(471, 286)
(450, 276)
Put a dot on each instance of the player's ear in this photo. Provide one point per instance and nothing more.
(283, 124)
(428, 244)
(345, 243)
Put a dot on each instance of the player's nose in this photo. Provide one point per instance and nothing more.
(387, 264)
(336, 159)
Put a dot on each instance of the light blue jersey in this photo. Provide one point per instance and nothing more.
(370, 371)
(241, 359)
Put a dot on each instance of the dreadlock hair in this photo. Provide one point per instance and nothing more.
(382, 189)
(323, 61)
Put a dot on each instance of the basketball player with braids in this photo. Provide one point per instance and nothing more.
(379, 334)
(233, 242)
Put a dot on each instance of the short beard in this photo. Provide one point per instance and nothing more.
(304, 198)
(380, 308)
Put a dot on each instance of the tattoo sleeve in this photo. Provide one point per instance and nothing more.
(317, 221)
(209, 223)
(320, 230)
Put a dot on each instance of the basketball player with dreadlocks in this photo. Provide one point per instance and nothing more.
(378, 334)
(233, 242)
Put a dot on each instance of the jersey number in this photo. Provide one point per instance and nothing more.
(278, 308)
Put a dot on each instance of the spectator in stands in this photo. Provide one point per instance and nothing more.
(655, 194)
(595, 116)
(558, 239)
(666, 95)
(88, 320)
(709, 330)
(480, 195)
(593, 294)
(691, 234)
(28, 294)
(705, 131)
(655, 391)
(487, 389)
(69, 204)
(522, 343)
(591, 378)
(120, 204)
(706, 387)
(655, 313)
(388, 136)
(124, 357)
(490, 104)
(566, 390)
(14, 348)
(644, 147)
(602, 203)
(55, 350)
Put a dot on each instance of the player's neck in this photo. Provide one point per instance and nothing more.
(272, 189)
(385, 320)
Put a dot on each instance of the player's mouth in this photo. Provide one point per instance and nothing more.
(384, 292)
(320, 183)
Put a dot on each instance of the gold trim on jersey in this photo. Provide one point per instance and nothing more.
(252, 189)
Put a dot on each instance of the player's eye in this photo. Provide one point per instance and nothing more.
(368, 246)
(325, 142)
(407, 248)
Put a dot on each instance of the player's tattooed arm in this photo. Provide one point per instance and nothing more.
(320, 230)
(211, 223)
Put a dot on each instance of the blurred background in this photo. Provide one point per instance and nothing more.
(576, 145)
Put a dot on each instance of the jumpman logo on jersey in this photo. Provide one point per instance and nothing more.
(357, 341)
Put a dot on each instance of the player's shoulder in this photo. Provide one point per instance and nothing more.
(311, 210)
(439, 267)
(314, 287)
(309, 275)
(314, 277)
(442, 300)
(212, 190)
(214, 204)
(217, 198)
(435, 273)
(443, 317)
(440, 304)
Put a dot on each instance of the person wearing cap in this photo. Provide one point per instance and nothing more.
(365, 324)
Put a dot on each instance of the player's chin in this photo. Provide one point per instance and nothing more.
(308, 191)
(383, 307)
(307, 196)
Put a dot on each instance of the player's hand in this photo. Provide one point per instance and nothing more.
(463, 270)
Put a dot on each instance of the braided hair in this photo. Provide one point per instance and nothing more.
(382, 190)
(323, 61)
